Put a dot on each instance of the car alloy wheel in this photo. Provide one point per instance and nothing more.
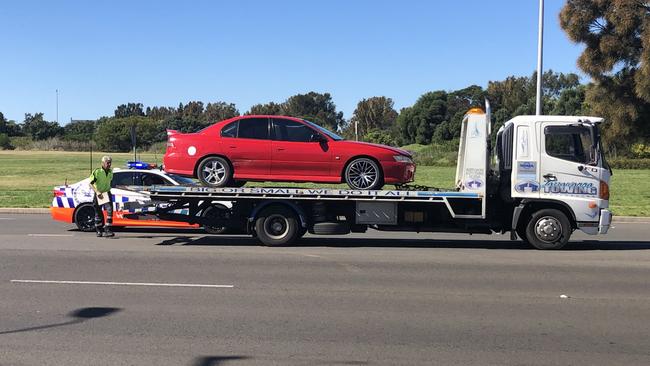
(363, 173)
(214, 172)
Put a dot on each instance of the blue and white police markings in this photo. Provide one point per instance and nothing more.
(82, 193)
(528, 186)
(473, 184)
(571, 188)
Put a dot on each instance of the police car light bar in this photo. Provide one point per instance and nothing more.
(139, 165)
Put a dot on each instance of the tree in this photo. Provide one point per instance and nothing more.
(160, 113)
(80, 130)
(315, 107)
(129, 110)
(375, 113)
(270, 108)
(571, 102)
(418, 123)
(9, 128)
(114, 134)
(219, 111)
(38, 128)
(616, 36)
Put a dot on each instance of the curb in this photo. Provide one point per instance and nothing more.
(19, 210)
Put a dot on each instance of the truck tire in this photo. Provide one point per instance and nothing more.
(84, 217)
(214, 172)
(213, 211)
(548, 229)
(276, 226)
(331, 228)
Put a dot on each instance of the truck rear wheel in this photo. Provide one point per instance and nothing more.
(548, 229)
(276, 226)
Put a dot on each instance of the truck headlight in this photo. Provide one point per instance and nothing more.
(402, 159)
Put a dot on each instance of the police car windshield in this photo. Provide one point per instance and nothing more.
(182, 180)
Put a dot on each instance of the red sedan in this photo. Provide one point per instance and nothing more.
(285, 149)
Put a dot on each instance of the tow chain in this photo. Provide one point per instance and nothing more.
(417, 187)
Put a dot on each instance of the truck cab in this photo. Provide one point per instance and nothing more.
(553, 171)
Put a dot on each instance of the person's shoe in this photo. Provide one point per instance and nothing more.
(99, 233)
(108, 233)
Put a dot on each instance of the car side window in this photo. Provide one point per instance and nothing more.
(288, 130)
(122, 179)
(254, 128)
(230, 130)
(568, 143)
(149, 179)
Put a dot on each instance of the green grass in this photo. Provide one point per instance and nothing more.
(27, 178)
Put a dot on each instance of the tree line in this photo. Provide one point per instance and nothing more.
(616, 37)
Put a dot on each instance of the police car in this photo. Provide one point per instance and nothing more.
(74, 203)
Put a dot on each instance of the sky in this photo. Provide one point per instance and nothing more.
(100, 54)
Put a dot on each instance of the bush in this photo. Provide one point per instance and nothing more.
(444, 153)
(625, 163)
(641, 151)
(5, 142)
(22, 142)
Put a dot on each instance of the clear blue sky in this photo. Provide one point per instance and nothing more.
(102, 54)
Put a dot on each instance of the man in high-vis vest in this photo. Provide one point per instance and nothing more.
(100, 181)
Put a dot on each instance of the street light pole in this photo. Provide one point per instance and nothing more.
(540, 41)
(57, 106)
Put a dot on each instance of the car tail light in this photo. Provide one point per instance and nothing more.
(604, 190)
(57, 193)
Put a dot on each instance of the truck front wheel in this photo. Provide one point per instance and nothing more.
(548, 229)
(276, 226)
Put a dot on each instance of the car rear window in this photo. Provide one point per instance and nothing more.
(230, 130)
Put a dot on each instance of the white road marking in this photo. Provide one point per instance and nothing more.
(123, 283)
(40, 235)
(7, 218)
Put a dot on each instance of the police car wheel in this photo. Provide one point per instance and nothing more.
(84, 217)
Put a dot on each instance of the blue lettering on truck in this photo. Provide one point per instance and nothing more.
(571, 188)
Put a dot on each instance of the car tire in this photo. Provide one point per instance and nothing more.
(214, 212)
(214, 172)
(84, 217)
(548, 229)
(363, 173)
(276, 226)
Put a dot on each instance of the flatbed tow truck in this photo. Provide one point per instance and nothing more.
(548, 177)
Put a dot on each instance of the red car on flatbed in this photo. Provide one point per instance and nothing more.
(286, 149)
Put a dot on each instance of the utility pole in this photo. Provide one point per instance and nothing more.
(57, 106)
(540, 47)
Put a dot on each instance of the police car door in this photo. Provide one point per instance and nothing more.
(568, 167)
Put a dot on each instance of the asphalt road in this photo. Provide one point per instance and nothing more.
(373, 299)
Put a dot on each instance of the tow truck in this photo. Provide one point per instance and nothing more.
(545, 177)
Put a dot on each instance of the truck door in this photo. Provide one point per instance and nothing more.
(569, 169)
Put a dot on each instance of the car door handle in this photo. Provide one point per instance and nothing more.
(550, 177)
(280, 148)
(232, 146)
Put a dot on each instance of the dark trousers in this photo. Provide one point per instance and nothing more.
(98, 212)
